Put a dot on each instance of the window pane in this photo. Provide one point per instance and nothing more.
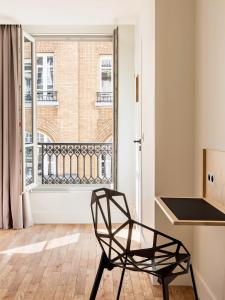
(106, 75)
(106, 62)
(39, 60)
(28, 138)
(50, 60)
(50, 78)
(45, 72)
(40, 78)
(29, 171)
(28, 91)
(106, 78)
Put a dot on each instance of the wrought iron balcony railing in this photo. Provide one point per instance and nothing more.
(75, 163)
(46, 95)
(42, 96)
(104, 97)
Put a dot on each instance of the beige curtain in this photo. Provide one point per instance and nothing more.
(14, 204)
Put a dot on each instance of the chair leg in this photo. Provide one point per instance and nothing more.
(193, 282)
(165, 288)
(120, 285)
(102, 265)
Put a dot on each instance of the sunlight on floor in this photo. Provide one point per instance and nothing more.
(44, 245)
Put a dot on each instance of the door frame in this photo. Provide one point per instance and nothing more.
(115, 106)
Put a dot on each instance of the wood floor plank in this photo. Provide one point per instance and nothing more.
(60, 262)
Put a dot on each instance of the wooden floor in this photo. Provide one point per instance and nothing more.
(60, 261)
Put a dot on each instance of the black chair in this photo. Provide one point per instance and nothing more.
(166, 259)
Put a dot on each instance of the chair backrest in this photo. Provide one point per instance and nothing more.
(112, 223)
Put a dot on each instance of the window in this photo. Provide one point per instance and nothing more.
(106, 74)
(105, 166)
(105, 95)
(45, 70)
(28, 80)
(28, 112)
(43, 138)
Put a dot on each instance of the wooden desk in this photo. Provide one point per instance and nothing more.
(208, 210)
(192, 211)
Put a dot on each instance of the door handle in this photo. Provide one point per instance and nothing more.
(138, 141)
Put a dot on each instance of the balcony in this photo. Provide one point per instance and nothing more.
(43, 98)
(104, 99)
(75, 163)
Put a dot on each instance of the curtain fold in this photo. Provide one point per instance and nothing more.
(12, 198)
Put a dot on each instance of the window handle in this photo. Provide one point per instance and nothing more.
(138, 141)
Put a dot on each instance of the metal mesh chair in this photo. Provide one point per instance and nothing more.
(166, 259)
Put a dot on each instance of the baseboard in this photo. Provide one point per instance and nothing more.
(204, 292)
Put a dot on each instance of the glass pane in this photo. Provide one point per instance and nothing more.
(28, 91)
(50, 60)
(29, 171)
(50, 78)
(39, 60)
(106, 81)
(28, 138)
(40, 78)
(39, 159)
(106, 62)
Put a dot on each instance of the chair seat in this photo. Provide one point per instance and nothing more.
(161, 263)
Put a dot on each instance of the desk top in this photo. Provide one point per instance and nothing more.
(208, 210)
(192, 211)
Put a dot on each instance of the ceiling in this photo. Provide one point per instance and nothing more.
(69, 12)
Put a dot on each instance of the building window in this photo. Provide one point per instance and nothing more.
(45, 77)
(106, 73)
(43, 138)
(28, 79)
(104, 96)
(44, 169)
(44, 71)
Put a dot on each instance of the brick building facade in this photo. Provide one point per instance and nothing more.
(75, 117)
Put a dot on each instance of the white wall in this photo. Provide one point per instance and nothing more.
(174, 97)
(190, 109)
(63, 206)
(69, 207)
(174, 111)
(69, 12)
(209, 242)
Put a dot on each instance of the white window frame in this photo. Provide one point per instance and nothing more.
(45, 56)
(33, 145)
(110, 57)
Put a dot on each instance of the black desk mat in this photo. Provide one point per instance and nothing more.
(193, 209)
